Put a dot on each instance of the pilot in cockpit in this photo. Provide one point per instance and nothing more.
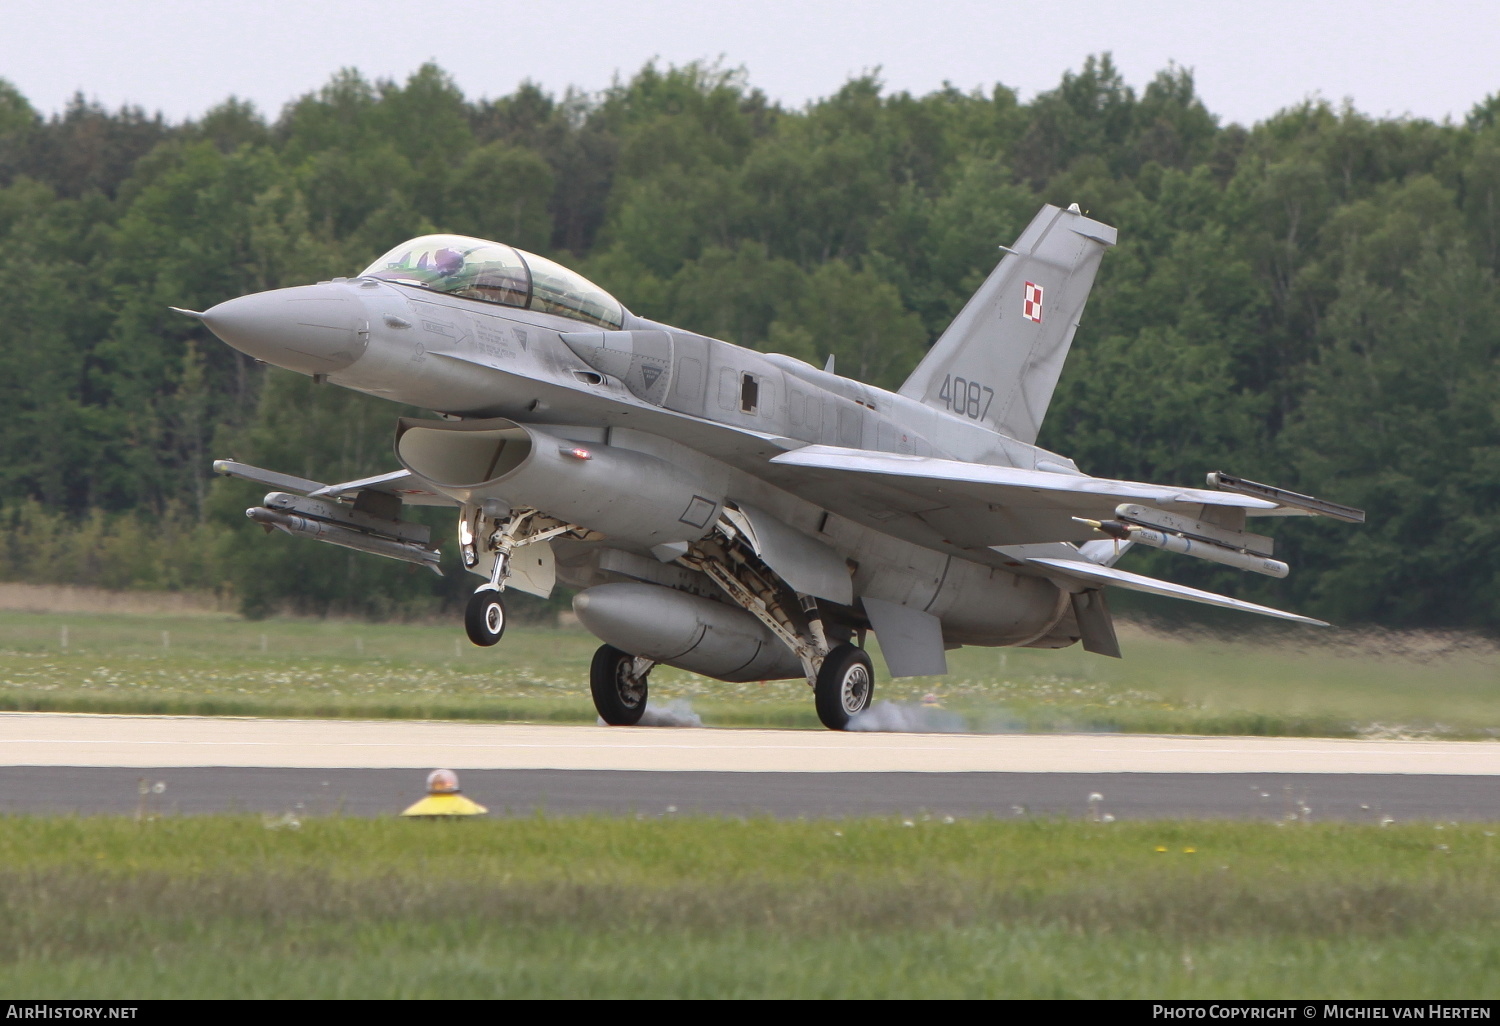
(447, 262)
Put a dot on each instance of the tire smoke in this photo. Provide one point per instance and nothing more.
(676, 713)
(905, 718)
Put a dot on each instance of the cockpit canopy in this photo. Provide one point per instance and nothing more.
(494, 273)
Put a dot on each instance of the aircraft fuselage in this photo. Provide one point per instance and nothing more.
(739, 514)
(465, 358)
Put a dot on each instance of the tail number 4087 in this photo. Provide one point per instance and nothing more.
(967, 398)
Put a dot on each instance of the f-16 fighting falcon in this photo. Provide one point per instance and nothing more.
(742, 515)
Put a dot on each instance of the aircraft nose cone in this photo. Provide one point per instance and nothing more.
(313, 329)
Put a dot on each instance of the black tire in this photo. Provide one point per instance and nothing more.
(484, 617)
(846, 684)
(621, 701)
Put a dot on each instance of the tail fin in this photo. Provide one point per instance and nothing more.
(999, 360)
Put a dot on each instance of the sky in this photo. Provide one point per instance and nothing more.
(1431, 59)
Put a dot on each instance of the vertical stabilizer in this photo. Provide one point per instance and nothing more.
(999, 360)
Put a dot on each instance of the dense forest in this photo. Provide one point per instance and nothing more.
(1310, 301)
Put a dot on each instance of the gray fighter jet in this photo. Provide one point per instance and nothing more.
(742, 515)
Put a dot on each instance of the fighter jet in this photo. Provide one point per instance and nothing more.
(742, 515)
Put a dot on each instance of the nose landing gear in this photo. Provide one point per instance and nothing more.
(484, 538)
(484, 617)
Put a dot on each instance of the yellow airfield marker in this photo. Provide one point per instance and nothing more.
(443, 798)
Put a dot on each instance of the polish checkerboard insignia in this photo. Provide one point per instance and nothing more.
(1031, 307)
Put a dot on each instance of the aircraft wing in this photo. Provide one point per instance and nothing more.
(411, 490)
(975, 505)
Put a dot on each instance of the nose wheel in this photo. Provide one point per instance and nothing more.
(484, 618)
(845, 685)
(619, 686)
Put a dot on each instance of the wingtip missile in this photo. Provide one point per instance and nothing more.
(349, 537)
(1283, 497)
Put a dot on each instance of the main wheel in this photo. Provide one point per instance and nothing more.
(845, 686)
(484, 618)
(619, 695)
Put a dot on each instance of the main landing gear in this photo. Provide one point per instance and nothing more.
(844, 686)
(839, 673)
(618, 681)
(841, 676)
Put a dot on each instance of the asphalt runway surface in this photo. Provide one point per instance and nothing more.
(1359, 797)
(86, 764)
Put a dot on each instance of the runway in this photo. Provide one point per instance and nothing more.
(1354, 797)
(69, 739)
(95, 764)
(75, 763)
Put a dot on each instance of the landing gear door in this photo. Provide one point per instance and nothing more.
(910, 640)
(533, 569)
(806, 564)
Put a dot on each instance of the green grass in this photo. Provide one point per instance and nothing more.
(703, 907)
(1303, 683)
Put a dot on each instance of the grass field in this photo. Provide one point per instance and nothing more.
(240, 907)
(706, 907)
(1300, 683)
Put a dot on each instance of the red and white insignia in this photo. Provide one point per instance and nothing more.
(1031, 308)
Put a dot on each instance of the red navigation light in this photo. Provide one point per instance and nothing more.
(577, 452)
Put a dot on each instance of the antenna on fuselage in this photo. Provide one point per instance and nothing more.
(828, 367)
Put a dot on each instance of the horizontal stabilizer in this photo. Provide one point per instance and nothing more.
(1096, 574)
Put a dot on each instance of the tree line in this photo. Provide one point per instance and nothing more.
(1309, 301)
